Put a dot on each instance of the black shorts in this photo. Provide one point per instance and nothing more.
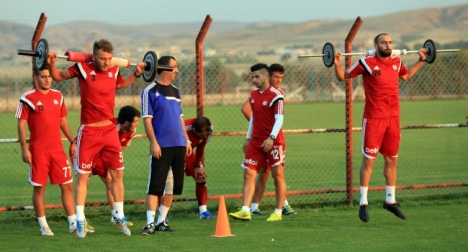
(159, 168)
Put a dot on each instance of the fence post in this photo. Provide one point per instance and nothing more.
(199, 62)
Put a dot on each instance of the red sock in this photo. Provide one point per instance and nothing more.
(202, 193)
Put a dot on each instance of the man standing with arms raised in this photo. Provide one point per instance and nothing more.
(98, 81)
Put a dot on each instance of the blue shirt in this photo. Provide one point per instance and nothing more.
(163, 104)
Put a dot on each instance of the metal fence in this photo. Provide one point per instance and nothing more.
(432, 157)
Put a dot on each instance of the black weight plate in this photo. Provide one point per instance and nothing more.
(431, 51)
(42, 49)
(329, 57)
(151, 68)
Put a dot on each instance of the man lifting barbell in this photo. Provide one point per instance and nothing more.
(42, 51)
(381, 119)
(98, 81)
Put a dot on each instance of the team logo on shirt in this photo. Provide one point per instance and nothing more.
(110, 75)
(93, 76)
(395, 67)
(265, 103)
(376, 71)
(55, 102)
(252, 101)
(40, 106)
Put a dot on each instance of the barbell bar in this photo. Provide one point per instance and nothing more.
(328, 53)
(42, 51)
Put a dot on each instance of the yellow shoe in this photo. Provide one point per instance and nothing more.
(129, 223)
(88, 228)
(274, 217)
(240, 215)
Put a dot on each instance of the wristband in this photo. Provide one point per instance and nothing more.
(188, 141)
(136, 76)
(73, 142)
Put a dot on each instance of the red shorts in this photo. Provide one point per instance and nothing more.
(190, 166)
(284, 158)
(53, 165)
(255, 158)
(98, 167)
(381, 135)
(103, 141)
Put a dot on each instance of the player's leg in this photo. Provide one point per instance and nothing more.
(39, 208)
(166, 201)
(38, 175)
(277, 173)
(390, 147)
(260, 186)
(201, 190)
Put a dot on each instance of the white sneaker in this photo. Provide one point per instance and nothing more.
(129, 223)
(89, 229)
(46, 231)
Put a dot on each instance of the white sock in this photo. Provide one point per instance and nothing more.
(42, 221)
(363, 190)
(279, 211)
(162, 213)
(285, 202)
(118, 208)
(72, 220)
(112, 212)
(150, 216)
(202, 208)
(80, 216)
(254, 206)
(246, 209)
(390, 192)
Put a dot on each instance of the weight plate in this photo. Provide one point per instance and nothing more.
(431, 51)
(42, 49)
(151, 68)
(329, 54)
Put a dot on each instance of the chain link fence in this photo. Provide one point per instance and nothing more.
(432, 158)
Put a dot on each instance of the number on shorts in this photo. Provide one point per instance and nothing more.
(275, 153)
(121, 157)
(66, 170)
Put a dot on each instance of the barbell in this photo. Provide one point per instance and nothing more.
(328, 53)
(42, 51)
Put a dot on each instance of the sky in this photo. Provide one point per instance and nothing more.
(180, 11)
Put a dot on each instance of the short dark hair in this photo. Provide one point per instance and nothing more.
(275, 68)
(127, 114)
(376, 39)
(258, 66)
(200, 123)
(164, 60)
(104, 45)
(38, 71)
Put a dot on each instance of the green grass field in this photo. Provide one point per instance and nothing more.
(314, 161)
(436, 225)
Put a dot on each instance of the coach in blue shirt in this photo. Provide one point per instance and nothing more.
(169, 144)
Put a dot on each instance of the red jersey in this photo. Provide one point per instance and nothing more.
(200, 143)
(380, 79)
(97, 91)
(265, 105)
(43, 112)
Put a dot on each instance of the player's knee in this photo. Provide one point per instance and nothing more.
(200, 180)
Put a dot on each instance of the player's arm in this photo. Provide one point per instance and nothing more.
(188, 145)
(55, 73)
(249, 134)
(246, 110)
(126, 81)
(25, 153)
(340, 73)
(154, 146)
(414, 69)
(65, 127)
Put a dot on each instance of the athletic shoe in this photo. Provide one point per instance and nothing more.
(122, 224)
(89, 229)
(148, 229)
(163, 227)
(257, 212)
(363, 213)
(395, 209)
(288, 210)
(206, 215)
(80, 229)
(129, 223)
(241, 215)
(274, 217)
(45, 231)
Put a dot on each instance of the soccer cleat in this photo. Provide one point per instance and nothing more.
(129, 223)
(88, 228)
(206, 215)
(45, 231)
(274, 217)
(122, 224)
(363, 213)
(395, 209)
(148, 229)
(288, 210)
(241, 215)
(163, 227)
(258, 212)
(80, 229)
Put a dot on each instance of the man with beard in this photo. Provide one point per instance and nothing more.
(381, 119)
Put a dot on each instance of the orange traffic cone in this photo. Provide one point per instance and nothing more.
(223, 229)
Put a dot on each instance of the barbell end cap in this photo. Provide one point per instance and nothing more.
(403, 52)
